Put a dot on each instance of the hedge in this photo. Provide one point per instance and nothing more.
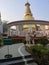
(42, 41)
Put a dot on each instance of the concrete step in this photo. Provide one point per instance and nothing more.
(17, 60)
(10, 59)
(28, 56)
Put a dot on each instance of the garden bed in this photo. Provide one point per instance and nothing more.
(39, 53)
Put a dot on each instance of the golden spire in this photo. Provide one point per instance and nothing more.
(28, 14)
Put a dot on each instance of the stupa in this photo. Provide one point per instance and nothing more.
(28, 24)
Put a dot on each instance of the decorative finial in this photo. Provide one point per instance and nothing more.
(27, 3)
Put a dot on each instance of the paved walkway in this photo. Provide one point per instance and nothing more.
(16, 50)
(22, 50)
(13, 49)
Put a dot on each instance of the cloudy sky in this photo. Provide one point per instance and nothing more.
(13, 10)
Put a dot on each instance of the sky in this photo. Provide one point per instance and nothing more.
(13, 10)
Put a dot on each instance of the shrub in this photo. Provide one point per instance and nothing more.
(1, 41)
(41, 54)
(36, 41)
(18, 40)
(42, 41)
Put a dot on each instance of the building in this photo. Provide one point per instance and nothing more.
(1, 25)
(4, 26)
(29, 24)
